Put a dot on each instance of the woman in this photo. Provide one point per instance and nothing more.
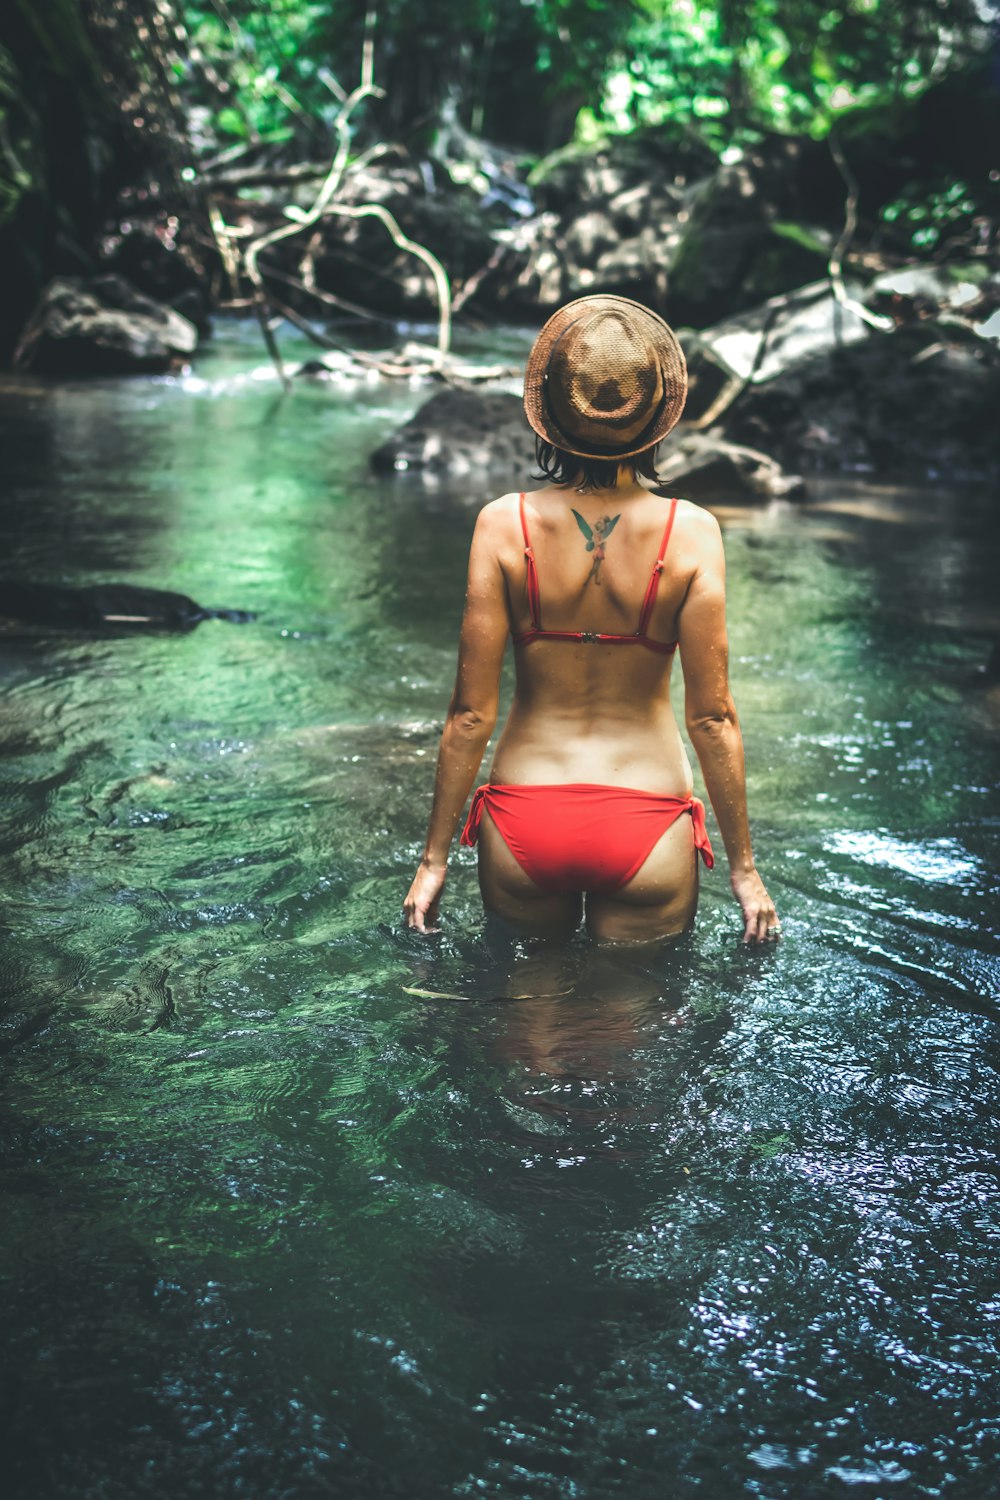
(598, 580)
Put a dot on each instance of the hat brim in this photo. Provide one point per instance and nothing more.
(672, 365)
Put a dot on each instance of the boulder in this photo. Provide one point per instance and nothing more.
(733, 250)
(609, 220)
(917, 288)
(704, 467)
(659, 219)
(101, 325)
(791, 328)
(160, 253)
(918, 401)
(461, 432)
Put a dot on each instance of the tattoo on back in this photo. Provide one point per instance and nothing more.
(596, 537)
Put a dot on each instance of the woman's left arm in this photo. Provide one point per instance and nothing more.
(472, 713)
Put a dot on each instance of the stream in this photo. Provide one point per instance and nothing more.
(279, 1221)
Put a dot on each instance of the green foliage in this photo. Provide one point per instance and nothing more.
(793, 65)
(723, 68)
(922, 217)
(18, 171)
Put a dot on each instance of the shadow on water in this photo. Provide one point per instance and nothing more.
(279, 1219)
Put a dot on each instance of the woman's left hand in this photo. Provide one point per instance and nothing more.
(424, 896)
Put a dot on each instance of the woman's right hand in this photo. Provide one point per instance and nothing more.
(424, 897)
(760, 920)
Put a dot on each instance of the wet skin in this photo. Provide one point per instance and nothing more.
(586, 712)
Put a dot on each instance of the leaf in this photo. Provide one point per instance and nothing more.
(411, 989)
(231, 122)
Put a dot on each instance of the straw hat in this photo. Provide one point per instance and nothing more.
(606, 378)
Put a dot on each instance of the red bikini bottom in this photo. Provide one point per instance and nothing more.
(581, 836)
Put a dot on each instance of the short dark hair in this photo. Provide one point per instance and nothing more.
(578, 473)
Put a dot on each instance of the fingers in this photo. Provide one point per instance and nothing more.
(421, 918)
(761, 924)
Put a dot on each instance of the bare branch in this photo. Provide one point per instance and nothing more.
(835, 267)
(437, 270)
(368, 50)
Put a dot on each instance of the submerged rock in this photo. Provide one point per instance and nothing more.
(116, 606)
(459, 433)
(101, 325)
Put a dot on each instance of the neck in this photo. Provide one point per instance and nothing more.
(626, 483)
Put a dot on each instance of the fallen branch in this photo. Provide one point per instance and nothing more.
(451, 373)
(264, 176)
(472, 283)
(341, 303)
(224, 235)
(297, 221)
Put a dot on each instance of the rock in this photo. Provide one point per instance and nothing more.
(159, 253)
(763, 343)
(989, 328)
(921, 287)
(608, 220)
(115, 605)
(659, 219)
(733, 251)
(193, 305)
(919, 401)
(706, 467)
(800, 324)
(461, 432)
(101, 325)
(620, 166)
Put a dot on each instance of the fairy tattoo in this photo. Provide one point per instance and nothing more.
(596, 536)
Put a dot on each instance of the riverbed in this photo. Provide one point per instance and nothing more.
(299, 1204)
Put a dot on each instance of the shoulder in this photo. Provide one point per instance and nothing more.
(497, 513)
(497, 524)
(698, 522)
(701, 533)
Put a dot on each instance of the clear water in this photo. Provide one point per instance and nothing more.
(274, 1225)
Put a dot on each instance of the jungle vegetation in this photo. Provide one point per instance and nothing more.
(96, 93)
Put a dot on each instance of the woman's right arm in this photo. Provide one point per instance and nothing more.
(472, 712)
(713, 726)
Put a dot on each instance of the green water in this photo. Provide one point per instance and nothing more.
(721, 1225)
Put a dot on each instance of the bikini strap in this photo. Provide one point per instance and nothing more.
(534, 600)
(654, 579)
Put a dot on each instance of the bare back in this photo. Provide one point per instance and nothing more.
(595, 711)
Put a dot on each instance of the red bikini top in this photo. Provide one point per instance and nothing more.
(599, 638)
